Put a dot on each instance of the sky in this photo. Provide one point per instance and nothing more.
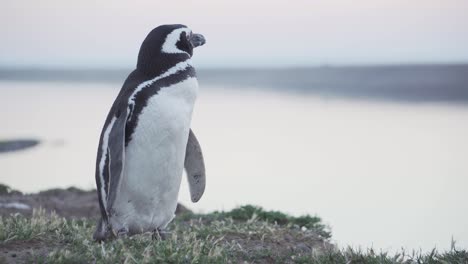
(242, 33)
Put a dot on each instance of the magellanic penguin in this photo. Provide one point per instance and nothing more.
(146, 140)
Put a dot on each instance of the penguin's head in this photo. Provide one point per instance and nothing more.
(167, 45)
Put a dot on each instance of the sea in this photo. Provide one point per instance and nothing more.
(380, 153)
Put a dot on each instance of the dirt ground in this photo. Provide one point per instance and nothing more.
(69, 203)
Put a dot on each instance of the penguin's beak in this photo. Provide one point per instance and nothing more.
(197, 40)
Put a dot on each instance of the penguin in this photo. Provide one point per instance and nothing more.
(146, 141)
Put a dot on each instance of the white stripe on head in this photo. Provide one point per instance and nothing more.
(169, 45)
(102, 162)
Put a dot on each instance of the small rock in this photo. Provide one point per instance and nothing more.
(302, 247)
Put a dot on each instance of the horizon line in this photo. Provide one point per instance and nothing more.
(6, 67)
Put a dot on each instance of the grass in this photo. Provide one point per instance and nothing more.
(245, 234)
(250, 213)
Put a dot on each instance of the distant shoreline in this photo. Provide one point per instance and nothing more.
(17, 144)
(446, 83)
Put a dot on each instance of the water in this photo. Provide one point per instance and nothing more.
(380, 171)
(411, 83)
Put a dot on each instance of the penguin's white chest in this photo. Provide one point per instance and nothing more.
(154, 159)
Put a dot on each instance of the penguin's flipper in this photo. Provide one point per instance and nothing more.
(110, 161)
(195, 167)
(116, 157)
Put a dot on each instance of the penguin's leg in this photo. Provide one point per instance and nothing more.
(116, 228)
(103, 231)
(159, 234)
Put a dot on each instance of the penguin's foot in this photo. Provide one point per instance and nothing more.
(122, 233)
(159, 234)
(101, 232)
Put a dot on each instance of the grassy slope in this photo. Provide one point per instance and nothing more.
(243, 234)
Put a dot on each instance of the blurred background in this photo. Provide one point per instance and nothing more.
(355, 111)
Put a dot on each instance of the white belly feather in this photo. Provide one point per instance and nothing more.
(154, 159)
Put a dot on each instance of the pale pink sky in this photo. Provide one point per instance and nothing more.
(90, 33)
